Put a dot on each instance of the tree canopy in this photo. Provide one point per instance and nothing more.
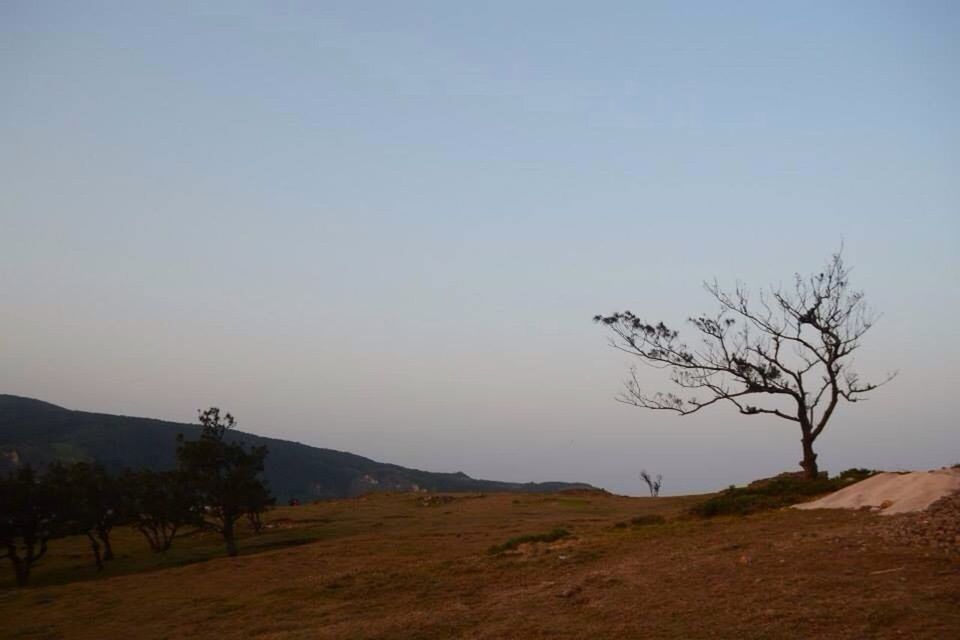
(225, 474)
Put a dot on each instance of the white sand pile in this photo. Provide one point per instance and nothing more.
(890, 493)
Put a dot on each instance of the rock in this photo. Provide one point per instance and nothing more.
(937, 527)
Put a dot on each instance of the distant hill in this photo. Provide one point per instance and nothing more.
(37, 433)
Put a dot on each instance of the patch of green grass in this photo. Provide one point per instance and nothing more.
(70, 560)
(642, 521)
(774, 493)
(513, 543)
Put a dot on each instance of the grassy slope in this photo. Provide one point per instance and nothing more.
(386, 566)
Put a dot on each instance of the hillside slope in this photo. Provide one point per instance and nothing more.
(398, 567)
(37, 433)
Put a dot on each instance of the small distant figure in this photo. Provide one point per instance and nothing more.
(294, 502)
(653, 485)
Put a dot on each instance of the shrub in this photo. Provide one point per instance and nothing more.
(774, 493)
(515, 542)
(648, 519)
(856, 475)
(735, 502)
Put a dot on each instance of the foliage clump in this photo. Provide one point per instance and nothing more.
(855, 475)
(28, 519)
(513, 543)
(218, 482)
(226, 476)
(90, 502)
(645, 520)
(774, 493)
(159, 504)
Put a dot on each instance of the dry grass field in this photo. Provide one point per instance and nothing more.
(419, 566)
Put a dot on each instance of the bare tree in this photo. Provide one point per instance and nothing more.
(791, 347)
(653, 485)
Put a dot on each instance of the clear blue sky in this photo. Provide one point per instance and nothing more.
(384, 227)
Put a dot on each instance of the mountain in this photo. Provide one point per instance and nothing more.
(37, 433)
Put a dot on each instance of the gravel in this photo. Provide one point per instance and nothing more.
(938, 526)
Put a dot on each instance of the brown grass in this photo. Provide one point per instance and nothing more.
(384, 566)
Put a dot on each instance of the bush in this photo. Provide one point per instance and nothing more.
(774, 493)
(856, 475)
(641, 521)
(736, 502)
(513, 543)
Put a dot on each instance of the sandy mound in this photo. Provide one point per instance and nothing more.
(890, 493)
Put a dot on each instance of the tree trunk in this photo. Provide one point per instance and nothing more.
(809, 462)
(153, 539)
(21, 566)
(104, 535)
(167, 540)
(256, 521)
(22, 571)
(95, 547)
(229, 537)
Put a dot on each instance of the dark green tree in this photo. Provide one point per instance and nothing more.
(159, 504)
(92, 504)
(28, 518)
(226, 474)
(258, 501)
(786, 353)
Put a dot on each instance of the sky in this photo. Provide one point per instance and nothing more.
(384, 227)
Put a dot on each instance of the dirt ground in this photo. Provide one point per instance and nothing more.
(402, 566)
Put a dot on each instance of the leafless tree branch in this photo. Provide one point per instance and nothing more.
(743, 352)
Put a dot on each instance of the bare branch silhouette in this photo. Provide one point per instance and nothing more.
(790, 347)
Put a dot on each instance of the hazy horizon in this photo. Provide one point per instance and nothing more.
(385, 229)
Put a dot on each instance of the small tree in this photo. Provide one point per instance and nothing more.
(28, 513)
(652, 485)
(160, 504)
(226, 474)
(792, 348)
(258, 501)
(92, 503)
